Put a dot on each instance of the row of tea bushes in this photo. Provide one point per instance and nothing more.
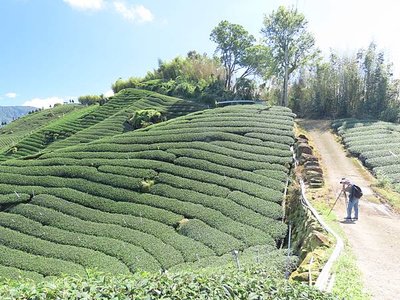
(167, 195)
(375, 143)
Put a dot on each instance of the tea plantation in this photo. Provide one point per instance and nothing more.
(175, 195)
(75, 124)
(23, 127)
(375, 143)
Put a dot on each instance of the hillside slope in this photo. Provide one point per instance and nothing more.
(168, 195)
(14, 132)
(95, 122)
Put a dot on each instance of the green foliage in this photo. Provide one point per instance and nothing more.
(252, 282)
(184, 191)
(82, 256)
(144, 118)
(359, 85)
(89, 99)
(375, 143)
(192, 77)
(292, 46)
(237, 52)
(132, 256)
(45, 266)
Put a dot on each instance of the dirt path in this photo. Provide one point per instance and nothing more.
(375, 238)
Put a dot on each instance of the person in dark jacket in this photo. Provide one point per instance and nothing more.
(353, 200)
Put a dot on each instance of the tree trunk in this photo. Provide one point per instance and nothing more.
(285, 101)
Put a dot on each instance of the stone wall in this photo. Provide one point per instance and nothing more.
(311, 170)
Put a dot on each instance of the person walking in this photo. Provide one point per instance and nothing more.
(355, 194)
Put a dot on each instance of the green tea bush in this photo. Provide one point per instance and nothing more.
(17, 274)
(265, 208)
(135, 258)
(13, 198)
(82, 256)
(224, 160)
(227, 207)
(219, 241)
(253, 149)
(190, 250)
(267, 193)
(153, 154)
(253, 282)
(194, 185)
(45, 266)
(164, 253)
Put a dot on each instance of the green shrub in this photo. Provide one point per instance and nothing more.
(134, 257)
(227, 207)
(17, 274)
(165, 254)
(253, 282)
(13, 198)
(191, 250)
(220, 242)
(82, 256)
(43, 265)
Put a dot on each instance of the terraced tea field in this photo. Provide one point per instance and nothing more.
(23, 127)
(183, 192)
(84, 124)
(375, 143)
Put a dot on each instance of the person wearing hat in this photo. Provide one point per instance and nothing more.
(353, 200)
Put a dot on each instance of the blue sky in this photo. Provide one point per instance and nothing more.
(54, 50)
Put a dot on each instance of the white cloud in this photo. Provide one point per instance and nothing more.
(109, 93)
(43, 102)
(134, 13)
(86, 4)
(11, 95)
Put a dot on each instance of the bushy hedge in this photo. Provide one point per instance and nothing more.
(242, 164)
(13, 198)
(263, 150)
(217, 240)
(266, 208)
(253, 282)
(165, 254)
(375, 143)
(191, 250)
(176, 192)
(82, 256)
(45, 266)
(132, 256)
(152, 154)
(229, 208)
(267, 193)
(17, 274)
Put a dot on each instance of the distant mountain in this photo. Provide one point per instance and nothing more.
(9, 113)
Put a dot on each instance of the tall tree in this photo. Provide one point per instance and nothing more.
(292, 46)
(233, 45)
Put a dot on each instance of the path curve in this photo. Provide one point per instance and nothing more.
(375, 238)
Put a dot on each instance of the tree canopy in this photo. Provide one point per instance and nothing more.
(291, 45)
(237, 52)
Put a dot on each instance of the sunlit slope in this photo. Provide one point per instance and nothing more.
(15, 131)
(172, 194)
(376, 144)
(96, 122)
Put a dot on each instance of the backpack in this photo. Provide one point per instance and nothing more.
(357, 193)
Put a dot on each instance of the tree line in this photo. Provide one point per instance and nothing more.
(284, 68)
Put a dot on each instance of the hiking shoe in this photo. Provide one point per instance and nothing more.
(355, 219)
(347, 218)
